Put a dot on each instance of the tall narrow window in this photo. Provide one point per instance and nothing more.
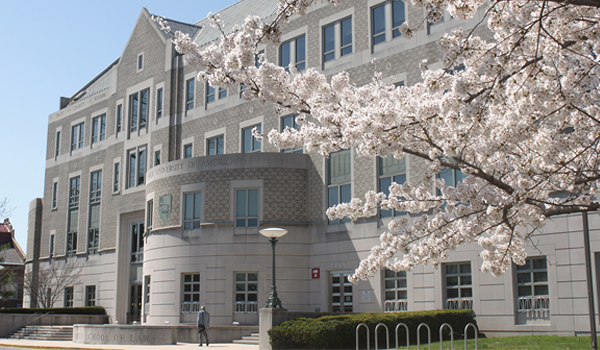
(396, 291)
(290, 122)
(210, 93)
(149, 212)
(73, 218)
(341, 292)
(191, 290)
(378, 24)
(452, 177)
(533, 293)
(133, 112)
(390, 170)
(246, 209)
(90, 295)
(381, 29)
(98, 128)
(249, 142)
(293, 51)
(192, 211)
(458, 287)
(187, 151)
(54, 194)
(68, 297)
(140, 62)
(159, 103)
(94, 220)
(335, 47)
(189, 94)
(51, 246)
(138, 111)
(156, 158)
(144, 108)
(136, 167)
(246, 292)
(77, 136)
(137, 243)
(398, 17)
(57, 145)
(215, 145)
(339, 176)
(116, 177)
(119, 120)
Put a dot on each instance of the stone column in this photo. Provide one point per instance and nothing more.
(267, 319)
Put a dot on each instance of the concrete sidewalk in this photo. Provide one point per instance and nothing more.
(43, 344)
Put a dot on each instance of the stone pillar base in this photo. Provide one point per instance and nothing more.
(267, 319)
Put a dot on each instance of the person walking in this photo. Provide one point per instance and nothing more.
(203, 324)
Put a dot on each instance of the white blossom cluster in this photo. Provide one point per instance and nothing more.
(521, 121)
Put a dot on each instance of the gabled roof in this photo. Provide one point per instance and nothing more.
(100, 83)
(13, 254)
(234, 15)
(190, 29)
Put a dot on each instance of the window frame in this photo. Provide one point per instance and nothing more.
(339, 186)
(254, 141)
(399, 302)
(90, 295)
(69, 295)
(390, 30)
(191, 294)
(246, 217)
(138, 111)
(98, 128)
(57, 143)
(244, 291)
(393, 176)
(283, 124)
(140, 62)
(73, 210)
(188, 151)
(159, 103)
(459, 301)
(216, 139)
(194, 222)
(190, 94)
(95, 200)
(54, 198)
(77, 134)
(134, 170)
(116, 177)
(337, 37)
(118, 118)
(293, 52)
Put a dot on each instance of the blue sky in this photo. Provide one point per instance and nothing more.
(52, 49)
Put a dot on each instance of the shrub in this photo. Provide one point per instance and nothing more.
(87, 310)
(339, 332)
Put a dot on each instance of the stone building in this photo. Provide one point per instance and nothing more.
(12, 259)
(156, 187)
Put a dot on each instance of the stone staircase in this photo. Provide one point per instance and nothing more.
(251, 339)
(64, 333)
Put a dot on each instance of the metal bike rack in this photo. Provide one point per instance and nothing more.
(387, 335)
(476, 335)
(368, 338)
(451, 336)
(419, 335)
(407, 336)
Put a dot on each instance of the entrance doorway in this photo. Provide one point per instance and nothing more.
(135, 303)
(341, 291)
(136, 275)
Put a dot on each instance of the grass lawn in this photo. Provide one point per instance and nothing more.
(538, 342)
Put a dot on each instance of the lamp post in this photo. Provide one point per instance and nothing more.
(273, 234)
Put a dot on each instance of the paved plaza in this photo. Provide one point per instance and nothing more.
(41, 344)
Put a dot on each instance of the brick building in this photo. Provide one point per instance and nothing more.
(157, 189)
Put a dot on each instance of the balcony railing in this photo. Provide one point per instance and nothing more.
(248, 307)
(190, 307)
(459, 303)
(534, 306)
(395, 306)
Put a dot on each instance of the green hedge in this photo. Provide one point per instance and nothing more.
(87, 310)
(339, 332)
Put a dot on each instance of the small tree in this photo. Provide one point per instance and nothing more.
(7, 277)
(5, 209)
(51, 281)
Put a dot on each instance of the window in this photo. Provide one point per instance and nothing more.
(191, 288)
(215, 145)
(54, 194)
(246, 292)
(90, 295)
(290, 122)
(94, 221)
(222, 92)
(137, 243)
(293, 52)
(532, 285)
(192, 211)
(57, 145)
(140, 62)
(138, 111)
(391, 170)
(149, 213)
(119, 119)
(159, 103)
(380, 29)
(452, 178)
(136, 167)
(98, 128)
(210, 93)
(458, 291)
(341, 292)
(156, 158)
(339, 178)
(116, 176)
(68, 296)
(249, 142)
(189, 94)
(246, 208)
(51, 246)
(73, 218)
(77, 136)
(395, 291)
(342, 45)
(187, 151)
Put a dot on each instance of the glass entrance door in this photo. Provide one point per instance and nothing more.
(136, 271)
(341, 291)
(135, 305)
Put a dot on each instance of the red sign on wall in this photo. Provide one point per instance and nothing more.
(316, 273)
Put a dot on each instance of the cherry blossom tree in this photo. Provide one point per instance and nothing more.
(520, 122)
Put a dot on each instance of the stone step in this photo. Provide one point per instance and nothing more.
(54, 333)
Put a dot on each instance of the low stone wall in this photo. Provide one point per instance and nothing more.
(154, 335)
(12, 322)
